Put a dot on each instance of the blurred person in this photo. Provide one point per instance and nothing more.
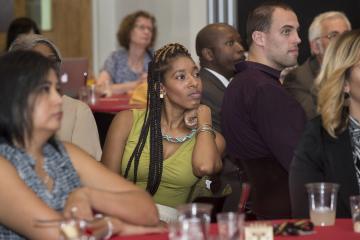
(166, 148)
(300, 82)
(260, 121)
(127, 67)
(78, 124)
(329, 150)
(139, 95)
(45, 179)
(219, 48)
(19, 26)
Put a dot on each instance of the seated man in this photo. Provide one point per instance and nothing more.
(260, 121)
(219, 47)
(300, 82)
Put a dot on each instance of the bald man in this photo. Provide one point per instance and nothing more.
(219, 47)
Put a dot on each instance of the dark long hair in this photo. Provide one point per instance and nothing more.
(152, 120)
(21, 74)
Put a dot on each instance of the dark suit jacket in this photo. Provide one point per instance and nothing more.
(300, 82)
(212, 96)
(321, 158)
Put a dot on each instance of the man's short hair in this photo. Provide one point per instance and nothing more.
(207, 35)
(315, 29)
(260, 18)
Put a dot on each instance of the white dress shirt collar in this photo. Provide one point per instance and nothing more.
(222, 79)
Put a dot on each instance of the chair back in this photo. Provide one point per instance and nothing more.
(270, 198)
(72, 75)
(245, 193)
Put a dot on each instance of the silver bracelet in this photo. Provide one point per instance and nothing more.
(110, 228)
(206, 128)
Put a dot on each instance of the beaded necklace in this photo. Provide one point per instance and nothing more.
(179, 139)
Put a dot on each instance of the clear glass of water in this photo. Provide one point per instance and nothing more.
(196, 212)
(322, 202)
(230, 225)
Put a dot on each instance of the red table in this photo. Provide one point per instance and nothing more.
(341, 231)
(112, 104)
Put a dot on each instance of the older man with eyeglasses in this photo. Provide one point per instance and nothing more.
(300, 82)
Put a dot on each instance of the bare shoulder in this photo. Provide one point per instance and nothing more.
(125, 117)
(122, 122)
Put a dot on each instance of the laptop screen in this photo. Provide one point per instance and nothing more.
(73, 75)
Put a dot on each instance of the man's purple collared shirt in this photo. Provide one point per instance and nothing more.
(260, 120)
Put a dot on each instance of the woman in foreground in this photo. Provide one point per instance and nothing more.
(44, 179)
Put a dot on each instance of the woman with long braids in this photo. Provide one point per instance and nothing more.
(166, 148)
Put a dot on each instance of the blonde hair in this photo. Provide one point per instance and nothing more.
(341, 55)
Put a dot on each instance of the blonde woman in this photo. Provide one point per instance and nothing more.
(329, 150)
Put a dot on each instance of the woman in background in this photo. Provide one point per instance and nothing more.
(44, 179)
(170, 145)
(329, 150)
(19, 26)
(127, 67)
(78, 124)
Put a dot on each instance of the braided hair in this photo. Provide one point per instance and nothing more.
(152, 120)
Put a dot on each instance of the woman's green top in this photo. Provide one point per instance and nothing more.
(177, 176)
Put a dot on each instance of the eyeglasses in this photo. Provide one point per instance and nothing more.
(143, 27)
(330, 35)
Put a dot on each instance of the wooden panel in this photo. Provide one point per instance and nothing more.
(71, 30)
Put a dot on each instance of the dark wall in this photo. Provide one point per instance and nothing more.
(306, 10)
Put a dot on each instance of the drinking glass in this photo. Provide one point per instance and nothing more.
(322, 202)
(230, 225)
(355, 212)
(196, 212)
(92, 99)
(83, 94)
(186, 229)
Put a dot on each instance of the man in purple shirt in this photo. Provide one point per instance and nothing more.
(261, 122)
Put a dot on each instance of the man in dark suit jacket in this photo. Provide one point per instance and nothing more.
(300, 82)
(219, 47)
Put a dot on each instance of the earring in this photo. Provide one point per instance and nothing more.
(162, 94)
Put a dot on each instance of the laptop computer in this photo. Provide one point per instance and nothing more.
(72, 75)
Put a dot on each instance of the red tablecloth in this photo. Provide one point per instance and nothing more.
(112, 104)
(341, 231)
